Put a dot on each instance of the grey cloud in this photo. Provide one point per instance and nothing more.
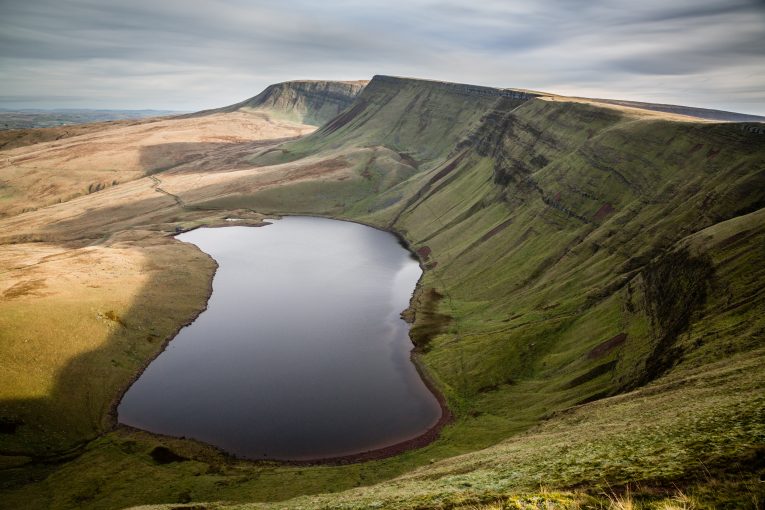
(697, 10)
(189, 55)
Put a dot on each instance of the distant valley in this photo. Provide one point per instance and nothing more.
(38, 118)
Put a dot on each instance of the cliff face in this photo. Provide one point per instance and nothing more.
(308, 102)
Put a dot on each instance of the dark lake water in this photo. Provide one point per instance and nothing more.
(301, 353)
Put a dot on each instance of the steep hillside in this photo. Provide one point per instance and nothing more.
(418, 119)
(544, 218)
(592, 305)
(397, 130)
(307, 102)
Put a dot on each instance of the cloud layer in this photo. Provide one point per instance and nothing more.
(186, 55)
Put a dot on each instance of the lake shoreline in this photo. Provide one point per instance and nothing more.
(421, 440)
(113, 414)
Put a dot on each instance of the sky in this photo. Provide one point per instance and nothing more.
(194, 54)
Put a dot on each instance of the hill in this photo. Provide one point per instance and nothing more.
(49, 165)
(591, 306)
(305, 101)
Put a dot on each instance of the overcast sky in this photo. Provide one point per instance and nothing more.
(194, 54)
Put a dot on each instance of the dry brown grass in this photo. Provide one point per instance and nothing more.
(149, 202)
(15, 138)
(632, 111)
(55, 307)
(77, 323)
(59, 170)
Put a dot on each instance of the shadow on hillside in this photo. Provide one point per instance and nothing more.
(103, 221)
(202, 156)
(82, 403)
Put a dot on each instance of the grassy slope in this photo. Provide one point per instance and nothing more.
(540, 280)
(397, 130)
(106, 311)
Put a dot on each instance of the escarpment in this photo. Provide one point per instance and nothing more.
(304, 101)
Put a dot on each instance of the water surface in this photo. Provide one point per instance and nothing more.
(301, 353)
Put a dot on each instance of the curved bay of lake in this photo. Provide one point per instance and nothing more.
(301, 353)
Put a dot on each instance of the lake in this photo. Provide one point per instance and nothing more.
(301, 353)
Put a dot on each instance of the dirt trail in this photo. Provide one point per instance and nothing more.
(156, 186)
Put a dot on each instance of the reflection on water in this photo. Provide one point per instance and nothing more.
(301, 353)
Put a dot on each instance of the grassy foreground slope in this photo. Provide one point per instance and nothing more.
(591, 306)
